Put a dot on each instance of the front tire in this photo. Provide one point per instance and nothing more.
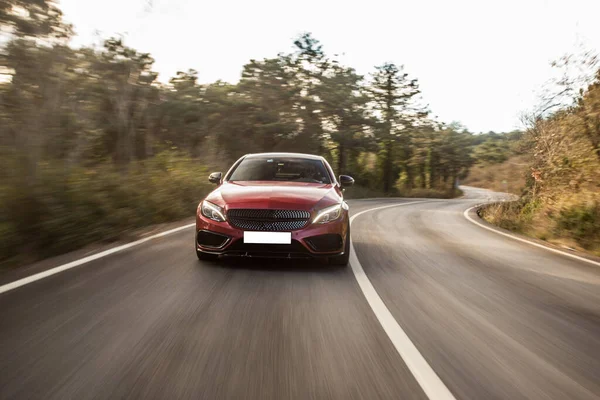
(206, 256)
(342, 260)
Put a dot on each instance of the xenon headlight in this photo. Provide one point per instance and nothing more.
(213, 211)
(328, 214)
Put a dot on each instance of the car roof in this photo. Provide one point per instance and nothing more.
(278, 155)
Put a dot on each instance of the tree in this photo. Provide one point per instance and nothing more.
(344, 111)
(33, 19)
(34, 101)
(309, 64)
(126, 86)
(492, 151)
(454, 154)
(180, 118)
(270, 87)
(393, 95)
(587, 114)
(35, 62)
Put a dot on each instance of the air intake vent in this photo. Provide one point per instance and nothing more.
(325, 243)
(211, 239)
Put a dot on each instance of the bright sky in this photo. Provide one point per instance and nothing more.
(479, 62)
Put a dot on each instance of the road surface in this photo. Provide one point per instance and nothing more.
(494, 318)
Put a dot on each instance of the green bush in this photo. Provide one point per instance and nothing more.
(64, 210)
(528, 207)
(582, 222)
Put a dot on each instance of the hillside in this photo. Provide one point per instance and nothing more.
(561, 200)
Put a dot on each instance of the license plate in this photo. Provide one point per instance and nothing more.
(268, 237)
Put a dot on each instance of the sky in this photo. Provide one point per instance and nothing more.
(479, 62)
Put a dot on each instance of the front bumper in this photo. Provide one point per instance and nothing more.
(312, 241)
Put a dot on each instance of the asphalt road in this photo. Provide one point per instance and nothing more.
(493, 317)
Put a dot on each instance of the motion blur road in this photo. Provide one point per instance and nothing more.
(493, 317)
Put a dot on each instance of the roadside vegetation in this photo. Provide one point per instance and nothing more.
(92, 144)
(70, 209)
(561, 199)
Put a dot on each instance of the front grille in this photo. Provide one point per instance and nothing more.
(268, 220)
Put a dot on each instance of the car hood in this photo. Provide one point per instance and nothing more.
(279, 195)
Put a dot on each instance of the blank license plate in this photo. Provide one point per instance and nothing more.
(268, 237)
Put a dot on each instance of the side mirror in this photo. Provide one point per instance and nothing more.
(346, 181)
(215, 177)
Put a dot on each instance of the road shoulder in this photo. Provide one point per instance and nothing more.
(23, 271)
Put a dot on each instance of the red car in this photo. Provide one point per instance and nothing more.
(283, 205)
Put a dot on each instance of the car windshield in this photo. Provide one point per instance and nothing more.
(281, 169)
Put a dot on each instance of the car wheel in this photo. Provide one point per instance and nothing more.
(342, 260)
(206, 256)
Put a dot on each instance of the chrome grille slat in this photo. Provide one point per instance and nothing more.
(267, 219)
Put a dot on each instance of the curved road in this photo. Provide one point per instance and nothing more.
(494, 318)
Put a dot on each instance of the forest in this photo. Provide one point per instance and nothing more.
(93, 144)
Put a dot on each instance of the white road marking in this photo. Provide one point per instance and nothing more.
(429, 381)
(81, 261)
(466, 214)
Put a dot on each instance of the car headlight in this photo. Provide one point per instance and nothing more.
(328, 214)
(213, 211)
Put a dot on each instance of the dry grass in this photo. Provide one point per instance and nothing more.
(571, 220)
(513, 171)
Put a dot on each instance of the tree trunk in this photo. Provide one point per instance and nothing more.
(387, 167)
(434, 177)
(410, 177)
